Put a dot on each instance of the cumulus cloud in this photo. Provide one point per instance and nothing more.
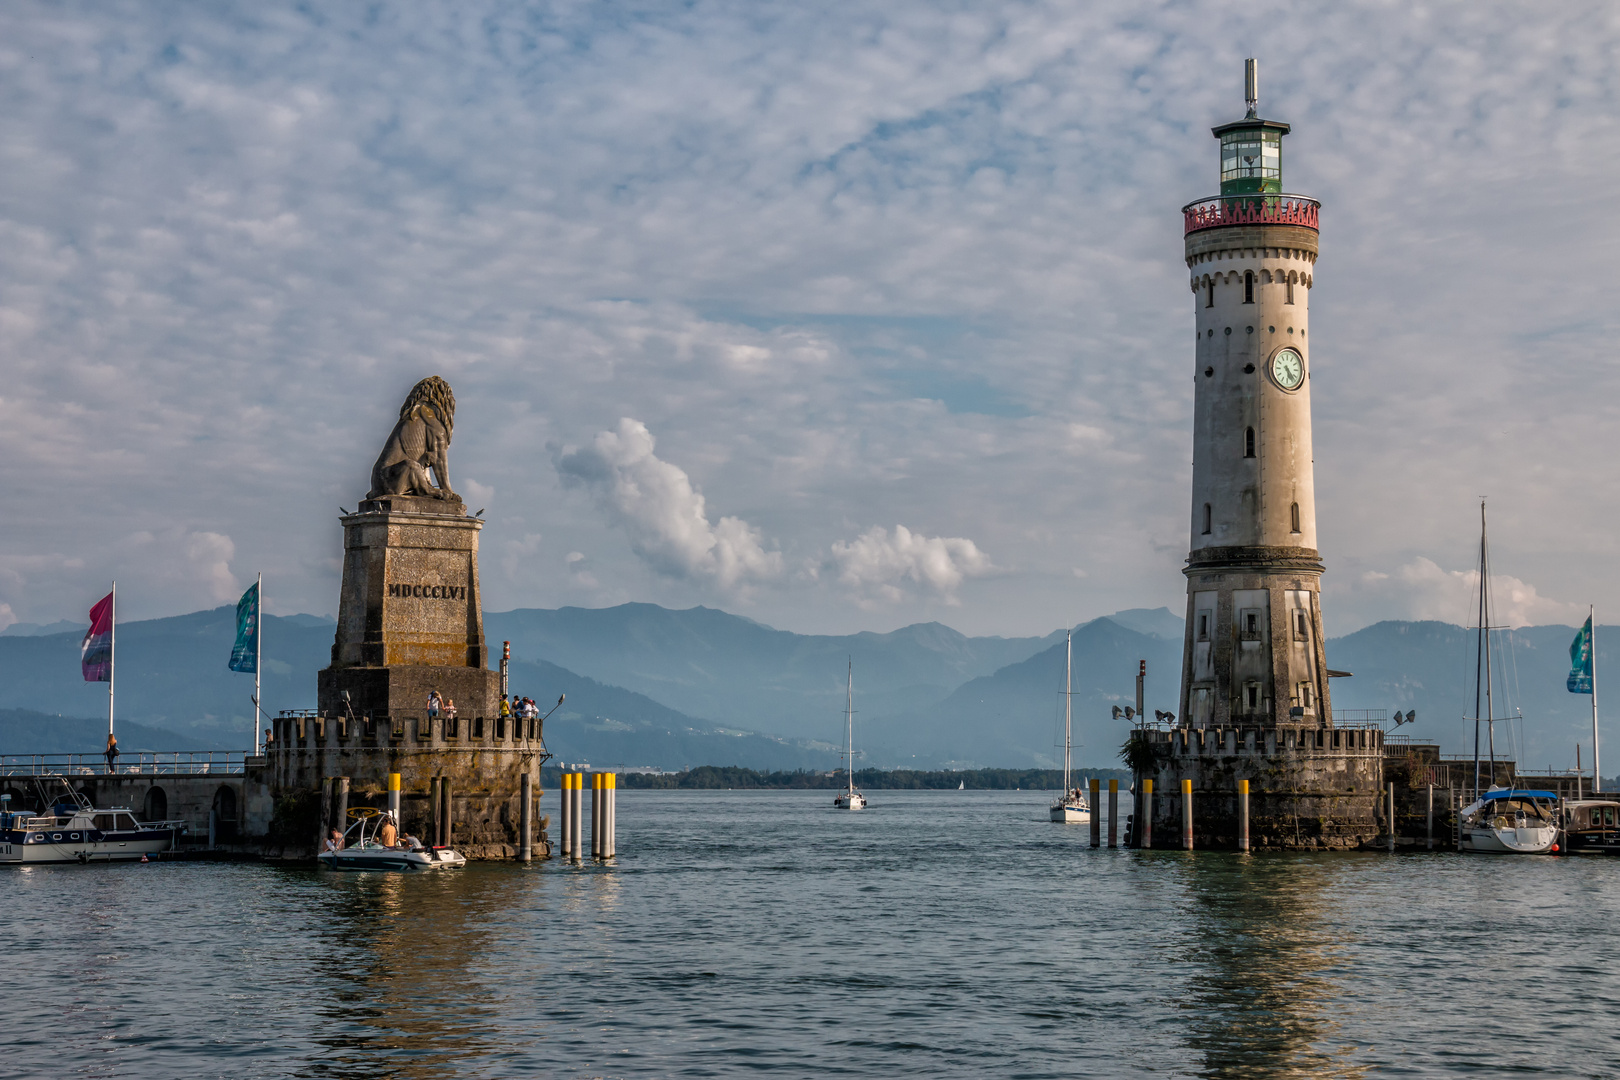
(663, 514)
(1422, 589)
(874, 564)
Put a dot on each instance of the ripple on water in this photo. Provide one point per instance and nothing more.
(935, 934)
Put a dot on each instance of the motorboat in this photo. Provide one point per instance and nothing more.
(1510, 821)
(1071, 807)
(362, 850)
(850, 799)
(1591, 827)
(73, 830)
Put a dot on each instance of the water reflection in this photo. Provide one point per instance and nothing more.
(406, 962)
(1263, 995)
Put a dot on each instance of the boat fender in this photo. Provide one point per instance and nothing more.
(1554, 849)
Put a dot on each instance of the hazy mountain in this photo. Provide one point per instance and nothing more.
(1015, 716)
(606, 725)
(1429, 667)
(647, 685)
(28, 629)
(735, 671)
(23, 731)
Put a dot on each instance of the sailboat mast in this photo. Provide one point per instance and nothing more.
(1068, 701)
(849, 725)
(1484, 600)
(1479, 646)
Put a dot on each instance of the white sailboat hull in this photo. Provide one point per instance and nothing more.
(1510, 841)
(1071, 813)
(848, 801)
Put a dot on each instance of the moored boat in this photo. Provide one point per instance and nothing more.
(72, 829)
(1510, 821)
(850, 799)
(1591, 827)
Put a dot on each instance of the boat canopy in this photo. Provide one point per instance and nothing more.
(1519, 793)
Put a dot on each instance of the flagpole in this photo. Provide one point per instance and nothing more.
(112, 659)
(1597, 771)
(258, 651)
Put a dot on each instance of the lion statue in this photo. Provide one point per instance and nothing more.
(420, 442)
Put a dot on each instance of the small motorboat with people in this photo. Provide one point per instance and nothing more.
(1510, 821)
(70, 829)
(1591, 827)
(1071, 807)
(370, 844)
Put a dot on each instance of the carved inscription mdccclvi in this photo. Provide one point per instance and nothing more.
(428, 592)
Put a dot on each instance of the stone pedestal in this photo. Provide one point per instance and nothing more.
(410, 619)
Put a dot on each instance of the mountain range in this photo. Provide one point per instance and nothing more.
(647, 685)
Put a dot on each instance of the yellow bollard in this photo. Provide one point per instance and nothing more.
(1243, 815)
(1186, 816)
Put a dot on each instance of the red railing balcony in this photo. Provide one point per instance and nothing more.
(1213, 213)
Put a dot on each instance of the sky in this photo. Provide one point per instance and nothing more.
(838, 316)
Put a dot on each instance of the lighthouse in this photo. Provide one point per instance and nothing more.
(1254, 756)
(1254, 623)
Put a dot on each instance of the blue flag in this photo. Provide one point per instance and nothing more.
(1580, 661)
(245, 654)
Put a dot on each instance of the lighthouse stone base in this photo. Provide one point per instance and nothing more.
(1310, 787)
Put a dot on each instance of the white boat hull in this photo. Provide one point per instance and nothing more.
(64, 845)
(857, 801)
(391, 859)
(1070, 814)
(1511, 841)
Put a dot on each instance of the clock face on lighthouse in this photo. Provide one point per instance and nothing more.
(1288, 368)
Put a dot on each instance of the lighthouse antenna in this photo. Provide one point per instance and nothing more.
(1251, 85)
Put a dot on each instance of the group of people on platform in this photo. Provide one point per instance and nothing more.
(523, 708)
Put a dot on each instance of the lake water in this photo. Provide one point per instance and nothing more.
(935, 934)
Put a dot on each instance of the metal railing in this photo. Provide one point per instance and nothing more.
(1363, 717)
(1257, 209)
(173, 763)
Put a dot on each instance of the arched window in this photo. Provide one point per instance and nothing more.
(1248, 286)
(1294, 516)
(1248, 442)
(157, 805)
(1211, 301)
(1206, 519)
(1290, 298)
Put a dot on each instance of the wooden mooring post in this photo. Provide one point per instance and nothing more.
(610, 815)
(1431, 818)
(598, 806)
(1144, 827)
(1243, 815)
(1186, 816)
(1096, 812)
(526, 817)
(1390, 816)
(1113, 813)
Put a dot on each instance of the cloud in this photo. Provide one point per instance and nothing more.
(663, 515)
(7, 616)
(874, 564)
(1422, 589)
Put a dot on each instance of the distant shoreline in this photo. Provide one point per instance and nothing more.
(712, 777)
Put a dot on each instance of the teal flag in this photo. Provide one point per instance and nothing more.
(245, 653)
(1580, 661)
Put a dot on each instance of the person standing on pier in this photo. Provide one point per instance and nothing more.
(111, 751)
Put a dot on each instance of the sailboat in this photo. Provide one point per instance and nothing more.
(1071, 806)
(1502, 820)
(850, 799)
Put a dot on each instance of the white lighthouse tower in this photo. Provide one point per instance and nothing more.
(1254, 627)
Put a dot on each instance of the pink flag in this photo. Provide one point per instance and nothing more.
(96, 654)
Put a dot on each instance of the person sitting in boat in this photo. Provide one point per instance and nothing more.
(388, 833)
(410, 843)
(334, 842)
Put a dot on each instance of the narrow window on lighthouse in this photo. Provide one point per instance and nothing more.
(1211, 301)
(1206, 519)
(1294, 511)
(1248, 286)
(1290, 298)
(1248, 442)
